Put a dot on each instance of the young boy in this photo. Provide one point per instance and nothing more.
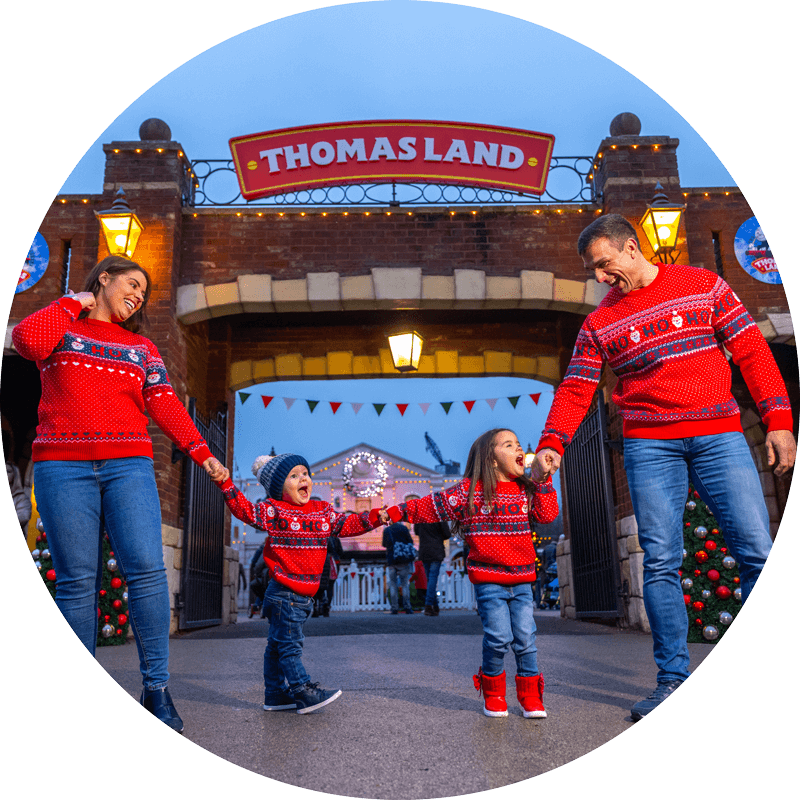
(295, 549)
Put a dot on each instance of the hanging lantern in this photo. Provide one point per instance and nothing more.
(406, 350)
(660, 224)
(121, 226)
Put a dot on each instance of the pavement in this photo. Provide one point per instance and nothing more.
(409, 721)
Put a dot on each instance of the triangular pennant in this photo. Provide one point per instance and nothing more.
(334, 406)
(469, 404)
(401, 407)
(535, 398)
(379, 407)
(446, 407)
(513, 400)
(424, 407)
(491, 401)
(267, 400)
(289, 402)
(356, 407)
(312, 404)
(243, 397)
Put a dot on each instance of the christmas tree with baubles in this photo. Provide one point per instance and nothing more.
(112, 609)
(709, 577)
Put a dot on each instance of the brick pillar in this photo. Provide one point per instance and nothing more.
(154, 175)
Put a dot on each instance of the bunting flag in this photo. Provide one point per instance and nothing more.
(401, 407)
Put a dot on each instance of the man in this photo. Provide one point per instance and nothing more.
(661, 329)
(432, 536)
(400, 556)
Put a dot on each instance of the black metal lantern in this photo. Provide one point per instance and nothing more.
(660, 224)
(121, 226)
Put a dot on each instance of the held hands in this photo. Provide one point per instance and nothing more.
(781, 447)
(215, 470)
(546, 462)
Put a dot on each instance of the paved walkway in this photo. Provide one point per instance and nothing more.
(409, 722)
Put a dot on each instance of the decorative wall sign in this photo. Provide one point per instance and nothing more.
(753, 253)
(35, 264)
(391, 151)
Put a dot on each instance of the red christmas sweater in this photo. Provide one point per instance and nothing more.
(297, 536)
(664, 342)
(500, 541)
(98, 380)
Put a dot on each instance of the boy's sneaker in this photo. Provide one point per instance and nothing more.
(658, 696)
(281, 701)
(311, 696)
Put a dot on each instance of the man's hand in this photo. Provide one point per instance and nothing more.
(781, 447)
(546, 462)
(215, 470)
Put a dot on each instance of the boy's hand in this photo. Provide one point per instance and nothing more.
(545, 463)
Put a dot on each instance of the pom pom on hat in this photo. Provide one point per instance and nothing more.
(272, 471)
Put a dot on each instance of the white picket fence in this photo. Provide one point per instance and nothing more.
(364, 589)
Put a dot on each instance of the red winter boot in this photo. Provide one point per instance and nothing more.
(494, 693)
(529, 694)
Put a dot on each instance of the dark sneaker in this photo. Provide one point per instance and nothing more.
(429, 612)
(311, 696)
(658, 696)
(281, 701)
(159, 704)
(395, 611)
(409, 610)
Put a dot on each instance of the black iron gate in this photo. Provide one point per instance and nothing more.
(200, 600)
(590, 504)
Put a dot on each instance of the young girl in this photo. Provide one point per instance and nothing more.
(494, 507)
(295, 550)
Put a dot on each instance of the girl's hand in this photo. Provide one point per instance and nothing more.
(215, 470)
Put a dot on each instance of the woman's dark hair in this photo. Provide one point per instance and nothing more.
(116, 265)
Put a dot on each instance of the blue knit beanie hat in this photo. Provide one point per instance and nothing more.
(272, 471)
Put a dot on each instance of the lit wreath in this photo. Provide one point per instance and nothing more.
(375, 486)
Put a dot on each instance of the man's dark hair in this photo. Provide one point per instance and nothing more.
(613, 227)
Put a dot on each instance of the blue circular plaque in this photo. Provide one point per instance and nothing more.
(35, 264)
(753, 253)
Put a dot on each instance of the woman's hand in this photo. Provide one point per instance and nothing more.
(86, 299)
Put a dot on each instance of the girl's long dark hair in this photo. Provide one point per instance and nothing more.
(114, 265)
(480, 467)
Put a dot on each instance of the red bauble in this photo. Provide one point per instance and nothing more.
(736, 579)
(711, 545)
(723, 549)
(713, 575)
(117, 605)
(696, 495)
(102, 593)
(50, 575)
(98, 612)
(701, 556)
(107, 617)
(122, 619)
(697, 573)
(698, 605)
(687, 524)
(119, 632)
(714, 532)
(723, 592)
(687, 598)
(698, 621)
(116, 583)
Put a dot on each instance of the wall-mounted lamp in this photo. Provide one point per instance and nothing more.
(406, 350)
(121, 226)
(660, 224)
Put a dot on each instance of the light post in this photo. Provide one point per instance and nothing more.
(529, 456)
(121, 227)
(406, 350)
(660, 224)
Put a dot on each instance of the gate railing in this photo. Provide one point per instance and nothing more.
(593, 540)
(200, 598)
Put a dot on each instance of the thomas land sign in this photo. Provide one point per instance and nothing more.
(394, 151)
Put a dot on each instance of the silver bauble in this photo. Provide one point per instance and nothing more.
(710, 633)
(111, 564)
(701, 531)
(684, 552)
(38, 565)
(687, 584)
(737, 594)
(705, 594)
(35, 553)
(45, 553)
(107, 630)
(125, 597)
(691, 505)
(40, 525)
(725, 617)
(729, 562)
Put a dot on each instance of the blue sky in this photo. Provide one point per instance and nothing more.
(450, 62)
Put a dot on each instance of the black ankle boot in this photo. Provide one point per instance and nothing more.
(159, 704)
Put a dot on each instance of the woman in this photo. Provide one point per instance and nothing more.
(93, 459)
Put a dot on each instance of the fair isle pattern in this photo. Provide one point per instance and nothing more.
(99, 382)
(664, 343)
(297, 536)
(499, 537)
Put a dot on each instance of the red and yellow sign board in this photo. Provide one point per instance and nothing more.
(386, 151)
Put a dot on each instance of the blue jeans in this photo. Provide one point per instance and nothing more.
(398, 576)
(79, 501)
(507, 617)
(721, 469)
(431, 577)
(287, 612)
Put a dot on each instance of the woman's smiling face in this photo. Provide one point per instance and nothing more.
(120, 295)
